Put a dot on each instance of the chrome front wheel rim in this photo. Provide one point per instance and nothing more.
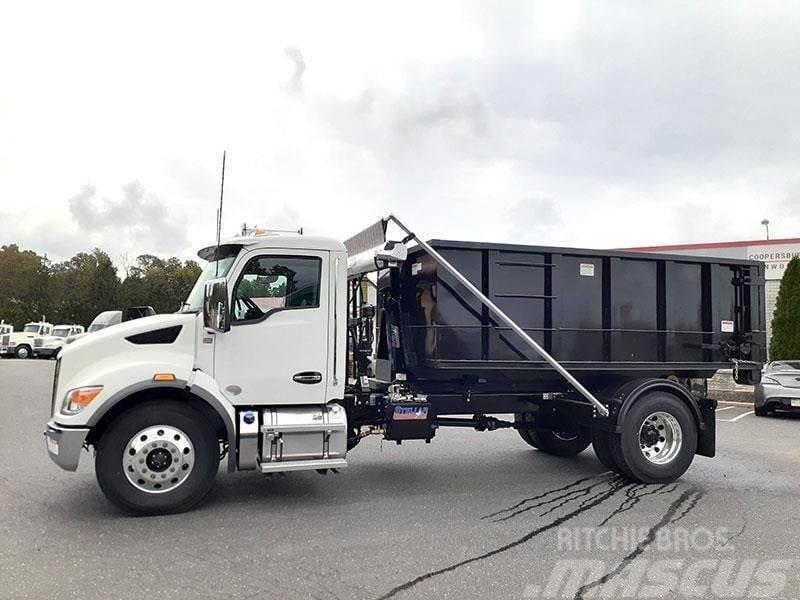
(660, 438)
(158, 459)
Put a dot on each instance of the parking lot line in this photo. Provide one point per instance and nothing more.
(726, 408)
(736, 418)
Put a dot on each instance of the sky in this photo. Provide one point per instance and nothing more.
(584, 124)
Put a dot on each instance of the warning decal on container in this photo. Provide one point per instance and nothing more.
(587, 270)
(726, 326)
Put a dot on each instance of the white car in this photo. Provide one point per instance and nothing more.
(47, 346)
(20, 343)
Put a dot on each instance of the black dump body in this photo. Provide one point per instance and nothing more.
(597, 312)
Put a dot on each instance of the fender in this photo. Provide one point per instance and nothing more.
(703, 412)
(205, 387)
(198, 384)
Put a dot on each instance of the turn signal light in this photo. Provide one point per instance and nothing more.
(164, 377)
(79, 398)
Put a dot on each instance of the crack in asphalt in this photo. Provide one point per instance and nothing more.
(565, 498)
(693, 496)
(599, 498)
(738, 534)
(633, 497)
(538, 497)
(692, 503)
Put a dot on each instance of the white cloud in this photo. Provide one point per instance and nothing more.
(582, 124)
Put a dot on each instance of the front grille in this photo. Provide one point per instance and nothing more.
(38, 343)
(55, 387)
(6, 339)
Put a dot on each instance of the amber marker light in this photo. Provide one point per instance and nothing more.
(164, 377)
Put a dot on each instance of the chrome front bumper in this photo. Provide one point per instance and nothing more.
(64, 444)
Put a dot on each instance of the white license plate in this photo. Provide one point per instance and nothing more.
(52, 445)
(796, 403)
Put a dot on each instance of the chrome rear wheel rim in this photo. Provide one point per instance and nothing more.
(158, 459)
(660, 438)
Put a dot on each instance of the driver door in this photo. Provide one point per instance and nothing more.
(276, 351)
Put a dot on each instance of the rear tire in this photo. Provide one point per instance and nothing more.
(658, 439)
(601, 444)
(195, 453)
(557, 443)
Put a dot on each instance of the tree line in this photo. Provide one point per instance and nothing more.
(78, 289)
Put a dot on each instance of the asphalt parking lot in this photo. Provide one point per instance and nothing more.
(472, 515)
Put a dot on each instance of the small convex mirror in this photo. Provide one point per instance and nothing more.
(216, 314)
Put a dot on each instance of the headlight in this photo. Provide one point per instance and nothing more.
(770, 380)
(12, 343)
(80, 398)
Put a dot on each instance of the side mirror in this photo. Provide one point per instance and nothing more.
(216, 310)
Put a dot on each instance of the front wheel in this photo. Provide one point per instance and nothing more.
(761, 411)
(658, 440)
(158, 457)
(22, 352)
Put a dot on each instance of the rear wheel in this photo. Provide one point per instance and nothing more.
(658, 440)
(557, 443)
(601, 444)
(158, 457)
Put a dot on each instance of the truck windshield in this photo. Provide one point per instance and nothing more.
(61, 331)
(212, 270)
(31, 329)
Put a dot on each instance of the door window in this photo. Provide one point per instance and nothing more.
(270, 283)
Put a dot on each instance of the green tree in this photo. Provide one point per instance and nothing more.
(82, 287)
(23, 285)
(785, 342)
(161, 283)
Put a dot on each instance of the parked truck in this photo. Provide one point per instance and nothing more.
(279, 361)
(20, 344)
(47, 346)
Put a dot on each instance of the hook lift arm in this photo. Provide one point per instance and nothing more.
(599, 406)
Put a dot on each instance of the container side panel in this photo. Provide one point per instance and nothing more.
(634, 315)
(517, 286)
(578, 307)
(684, 312)
(723, 297)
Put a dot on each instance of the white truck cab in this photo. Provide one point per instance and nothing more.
(254, 364)
(47, 346)
(21, 343)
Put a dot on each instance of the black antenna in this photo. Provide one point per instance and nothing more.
(219, 214)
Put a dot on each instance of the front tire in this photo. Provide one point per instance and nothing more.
(22, 352)
(658, 439)
(158, 457)
(761, 411)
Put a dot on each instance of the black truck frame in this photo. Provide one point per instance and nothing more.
(582, 346)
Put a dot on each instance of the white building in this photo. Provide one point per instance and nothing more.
(775, 254)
